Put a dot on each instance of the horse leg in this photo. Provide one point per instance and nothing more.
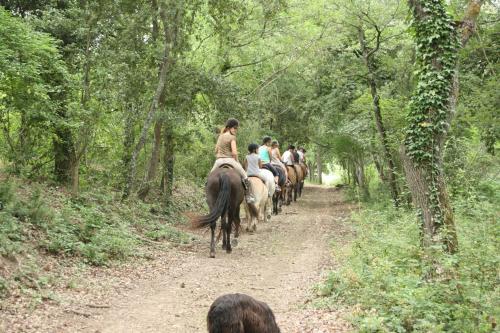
(237, 225)
(212, 240)
(295, 192)
(248, 217)
(275, 203)
(229, 225)
(267, 209)
(280, 202)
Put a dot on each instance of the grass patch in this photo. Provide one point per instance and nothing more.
(382, 271)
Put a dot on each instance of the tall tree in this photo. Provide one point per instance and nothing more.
(433, 106)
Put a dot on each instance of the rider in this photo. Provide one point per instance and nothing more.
(296, 156)
(304, 151)
(288, 156)
(276, 157)
(226, 153)
(301, 152)
(254, 168)
(265, 157)
(302, 158)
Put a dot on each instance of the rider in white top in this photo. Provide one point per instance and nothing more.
(288, 156)
(301, 156)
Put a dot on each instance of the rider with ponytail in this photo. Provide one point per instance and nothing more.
(226, 152)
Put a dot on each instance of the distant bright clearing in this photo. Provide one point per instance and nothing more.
(331, 178)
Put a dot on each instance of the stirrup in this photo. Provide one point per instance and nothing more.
(246, 184)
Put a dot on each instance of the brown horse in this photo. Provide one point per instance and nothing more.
(225, 193)
(291, 188)
(300, 179)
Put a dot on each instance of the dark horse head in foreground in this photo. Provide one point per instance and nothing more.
(225, 193)
(240, 313)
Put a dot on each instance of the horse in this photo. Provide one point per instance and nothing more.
(261, 195)
(300, 180)
(240, 313)
(305, 172)
(278, 196)
(291, 188)
(225, 192)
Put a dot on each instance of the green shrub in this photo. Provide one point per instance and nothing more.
(11, 234)
(383, 274)
(109, 243)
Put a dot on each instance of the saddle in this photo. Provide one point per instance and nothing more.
(263, 182)
(226, 166)
(281, 175)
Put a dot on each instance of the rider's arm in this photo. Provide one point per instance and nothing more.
(278, 153)
(234, 150)
(260, 163)
(270, 151)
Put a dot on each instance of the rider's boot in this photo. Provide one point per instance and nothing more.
(248, 193)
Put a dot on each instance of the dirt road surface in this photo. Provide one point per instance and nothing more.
(278, 264)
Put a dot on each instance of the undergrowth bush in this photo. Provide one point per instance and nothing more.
(382, 272)
(97, 226)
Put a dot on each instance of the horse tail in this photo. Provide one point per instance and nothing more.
(221, 204)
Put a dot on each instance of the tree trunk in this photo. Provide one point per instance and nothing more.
(360, 177)
(64, 155)
(368, 59)
(167, 180)
(430, 118)
(153, 162)
(155, 154)
(311, 171)
(170, 33)
(319, 165)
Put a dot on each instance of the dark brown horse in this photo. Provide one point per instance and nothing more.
(240, 313)
(279, 196)
(225, 193)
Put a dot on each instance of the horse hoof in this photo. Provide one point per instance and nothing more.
(254, 228)
(228, 251)
(234, 242)
(269, 217)
(212, 255)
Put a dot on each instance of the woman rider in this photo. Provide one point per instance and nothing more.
(265, 157)
(276, 157)
(226, 152)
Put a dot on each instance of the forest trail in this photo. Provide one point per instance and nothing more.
(278, 264)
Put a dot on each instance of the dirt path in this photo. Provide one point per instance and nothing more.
(278, 264)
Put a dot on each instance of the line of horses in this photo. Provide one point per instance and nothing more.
(225, 193)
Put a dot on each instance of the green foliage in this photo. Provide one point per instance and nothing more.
(383, 273)
(437, 45)
(32, 75)
(95, 226)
